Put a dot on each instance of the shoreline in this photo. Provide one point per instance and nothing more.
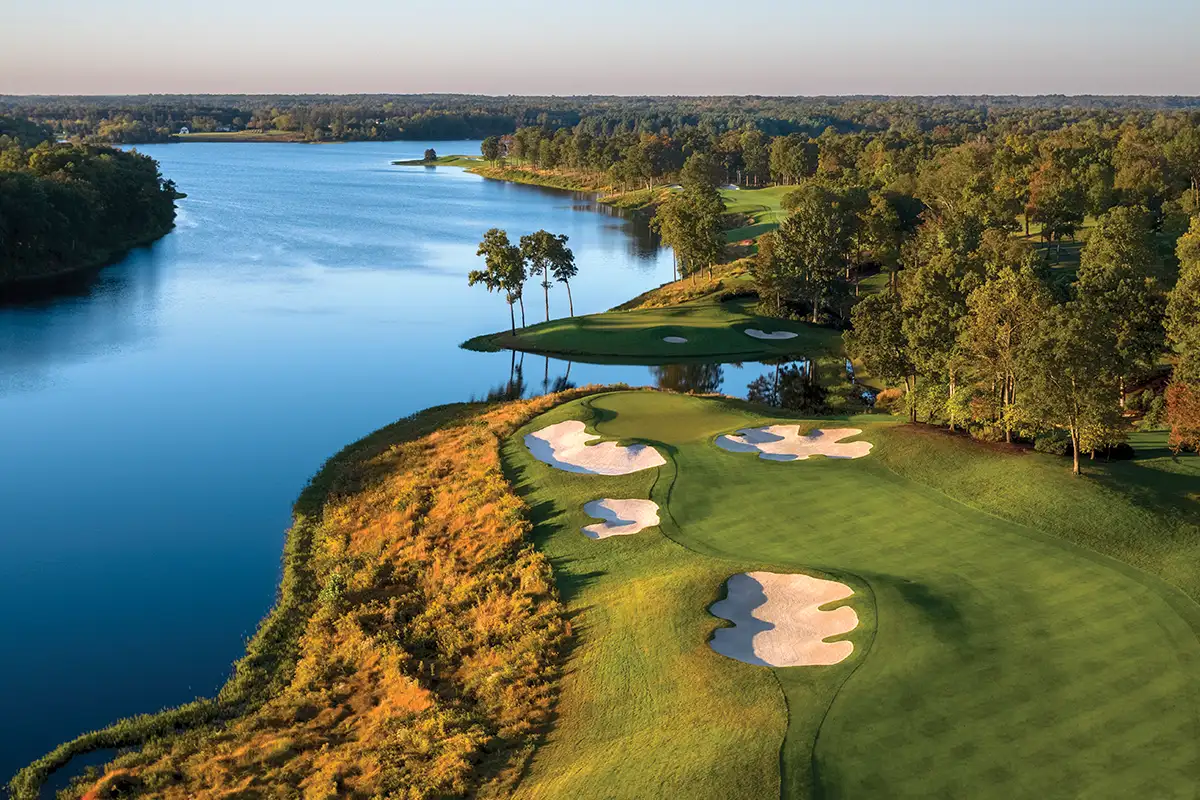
(639, 202)
(28, 288)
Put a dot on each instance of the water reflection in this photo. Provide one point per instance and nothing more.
(785, 383)
(643, 243)
(76, 320)
(694, 378)
(792, 385)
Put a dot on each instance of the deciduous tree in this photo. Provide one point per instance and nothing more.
(1117, 285)
(877, 339)
(504, 270)
(1071, 383)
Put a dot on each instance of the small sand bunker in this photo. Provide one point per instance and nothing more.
(773, 335)
(621, 517)
(784, 443)
(674, 339)
(778, 621)
(565, 445)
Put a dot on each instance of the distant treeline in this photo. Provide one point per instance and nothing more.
(68, 206)
(155, 118)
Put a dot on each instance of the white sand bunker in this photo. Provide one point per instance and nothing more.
(778, 622)
(621, 517)
(773, 335)
(674, 339)
(565, 445)
(784, 443)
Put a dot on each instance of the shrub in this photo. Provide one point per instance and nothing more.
(1118, 451)
(1056, 443)
(1156, 412)
(890, 401)
(1183, 414)
(988, 433)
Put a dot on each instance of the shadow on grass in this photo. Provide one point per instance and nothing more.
(1154, 489)
(939, 611)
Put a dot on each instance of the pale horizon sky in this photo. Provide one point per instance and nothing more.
(622, 47)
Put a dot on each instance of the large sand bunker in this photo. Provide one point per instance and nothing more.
(621, 517)
(772, 336)
(778, 622)
(784, 443)
(565, 445)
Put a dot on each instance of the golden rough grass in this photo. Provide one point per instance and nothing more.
(431, 664)
(726, 279)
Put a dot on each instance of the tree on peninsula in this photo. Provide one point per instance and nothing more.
(541, 250)
(504, 271)
(562, 266)
(490, 149)
(431, 154)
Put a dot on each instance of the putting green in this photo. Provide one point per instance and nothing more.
(712, 331)
(992, 658)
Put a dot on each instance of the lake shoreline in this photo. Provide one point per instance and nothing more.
(151, 321)
(34, 288)
(640, 202)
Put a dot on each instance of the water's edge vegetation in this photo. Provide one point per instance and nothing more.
(70, 208)
(461, 632)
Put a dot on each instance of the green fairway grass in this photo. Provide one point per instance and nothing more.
(714, 331)
(763, 207)
(1003, 650)
(443, 161)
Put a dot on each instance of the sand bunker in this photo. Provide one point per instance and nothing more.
(621, 517)
(674, 339)
(773, 335)
(565, 445)
(778, 622)
(784, 443)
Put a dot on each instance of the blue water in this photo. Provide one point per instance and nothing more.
(155, 429)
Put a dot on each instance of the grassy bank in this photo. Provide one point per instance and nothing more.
(638, 201)
(467, 162)
(241, 136)
(414, 642)
(725, 282)
(711, 330)
(997, 655)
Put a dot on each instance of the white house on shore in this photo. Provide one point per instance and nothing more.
(184, 130)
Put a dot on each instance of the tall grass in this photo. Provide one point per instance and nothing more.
(413, 646)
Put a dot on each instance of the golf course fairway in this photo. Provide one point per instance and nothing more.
(704, 330)
(995, 654)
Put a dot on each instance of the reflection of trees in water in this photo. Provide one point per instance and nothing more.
(696, 378)
(516, 387)
(793, 386)
(560, 384)
(643, 243)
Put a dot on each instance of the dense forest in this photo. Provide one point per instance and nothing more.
(1009, 232)
(69, 206)
(1021, 274)
(156, 118)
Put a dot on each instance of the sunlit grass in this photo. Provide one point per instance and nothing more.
(1009, 658)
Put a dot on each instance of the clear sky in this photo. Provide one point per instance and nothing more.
(795, 47)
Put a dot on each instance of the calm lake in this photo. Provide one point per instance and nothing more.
(155, 428)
